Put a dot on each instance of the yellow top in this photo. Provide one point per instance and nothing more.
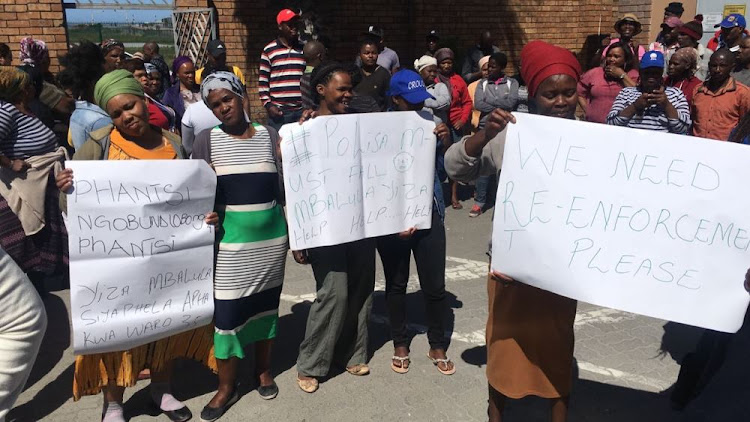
(236, 70)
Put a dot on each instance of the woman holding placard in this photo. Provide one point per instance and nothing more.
(133, 138)
(252, 239)
(344, 274)
(529, 331)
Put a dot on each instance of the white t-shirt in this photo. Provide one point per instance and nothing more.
(197, 118)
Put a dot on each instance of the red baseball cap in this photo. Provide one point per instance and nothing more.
(285, 16)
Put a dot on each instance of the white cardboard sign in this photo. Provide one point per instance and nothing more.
(141, 255)
(355, 176)
(646, 222)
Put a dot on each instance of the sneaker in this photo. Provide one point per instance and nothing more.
(476, 211)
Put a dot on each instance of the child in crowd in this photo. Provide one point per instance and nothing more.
(496, 91)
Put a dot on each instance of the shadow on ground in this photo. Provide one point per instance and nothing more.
(56, 341)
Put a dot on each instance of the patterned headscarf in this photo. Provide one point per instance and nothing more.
(33, 52)
(690, 54)
(108, 45)
(221, 80)
(150, 68)
(13, 82)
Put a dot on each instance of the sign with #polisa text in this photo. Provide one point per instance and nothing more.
(350, 177)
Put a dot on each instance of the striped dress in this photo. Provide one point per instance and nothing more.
(653, 117)
(252, 238)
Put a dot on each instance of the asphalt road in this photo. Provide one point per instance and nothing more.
(625, 364)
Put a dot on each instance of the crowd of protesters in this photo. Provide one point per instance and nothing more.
(108, 105)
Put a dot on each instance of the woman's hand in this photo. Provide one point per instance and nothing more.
(497, 121)
(407, 234)
(301, 257)
(459, 124)
(64, 180)
(503, 278)
(212, 219)
(307, 115)
(614, 72)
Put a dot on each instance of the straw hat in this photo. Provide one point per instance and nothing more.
(629, 17)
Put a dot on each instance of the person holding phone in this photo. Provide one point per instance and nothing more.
(650, 105)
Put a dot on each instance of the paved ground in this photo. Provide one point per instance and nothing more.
(624, 363)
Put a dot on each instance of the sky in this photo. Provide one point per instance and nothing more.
(104, 15)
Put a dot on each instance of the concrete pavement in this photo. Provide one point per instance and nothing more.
(624, 363)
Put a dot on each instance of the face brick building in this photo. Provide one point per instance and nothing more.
(247, 25)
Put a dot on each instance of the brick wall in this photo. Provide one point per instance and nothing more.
(246, 26)
(42, 19)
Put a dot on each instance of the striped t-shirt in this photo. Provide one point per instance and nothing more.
(653, 117)
(23, 136)
(281, 68)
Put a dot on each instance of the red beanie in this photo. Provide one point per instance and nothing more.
(540, 60)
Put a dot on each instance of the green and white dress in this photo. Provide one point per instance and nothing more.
(252, 238)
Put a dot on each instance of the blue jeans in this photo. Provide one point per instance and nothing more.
(480, 197)
(287, 117)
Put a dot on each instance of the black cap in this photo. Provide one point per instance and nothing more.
(374, 31)
(675, 8)
(216, 48)
(433, 34)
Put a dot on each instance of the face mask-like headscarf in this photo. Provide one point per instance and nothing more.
(221, 80)
(115, 83)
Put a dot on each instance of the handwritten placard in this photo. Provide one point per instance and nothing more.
(141, 255)
(351, 177)
(642, 221)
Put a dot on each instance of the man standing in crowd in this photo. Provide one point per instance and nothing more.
(721, 102)
(315, 54)
(217, 61)
(742, 71)
(151, 55)
(673, 10)
(387, 58)
(731, 33)
(471, 71)
(668, 38)
(282, 65)
(432, 43)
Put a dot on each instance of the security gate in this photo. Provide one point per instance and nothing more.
(193, 29)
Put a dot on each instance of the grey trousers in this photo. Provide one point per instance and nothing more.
(337, 324)
(23, 322)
